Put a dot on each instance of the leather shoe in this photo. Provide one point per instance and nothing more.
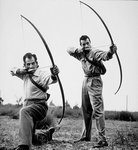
(43, 136)
(82, 139)
(50, 133)
(22, 147)
(101, 144)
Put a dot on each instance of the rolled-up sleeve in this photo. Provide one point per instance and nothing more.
(102, 55)
(74, 52)
(47, 79)
(16, 72)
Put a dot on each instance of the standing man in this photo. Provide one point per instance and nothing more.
(92, 99)
(36, 84)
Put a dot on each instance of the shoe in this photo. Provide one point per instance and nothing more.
(36, 140)
(43, 136)
(50, 132)
(22, 147)
(82, 139)
(100, 144)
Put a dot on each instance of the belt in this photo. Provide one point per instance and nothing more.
(35, 100)
(93, 75)
(38, 99)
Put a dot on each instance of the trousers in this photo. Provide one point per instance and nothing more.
(93, 106)
(29, 114)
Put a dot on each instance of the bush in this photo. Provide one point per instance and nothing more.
(58, 112)
(122, 116)
(135, 115)
(76, 112)
(10, 110)
(111, 115)
(126, 116)
(69, 112)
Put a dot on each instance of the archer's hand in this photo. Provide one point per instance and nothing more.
(54, 70)
(113, 49)
(14, 71)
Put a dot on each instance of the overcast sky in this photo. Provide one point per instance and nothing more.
(62, 22)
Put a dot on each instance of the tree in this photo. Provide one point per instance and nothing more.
(1, 101)
(67, 105)
(19, 101)
(76, 107)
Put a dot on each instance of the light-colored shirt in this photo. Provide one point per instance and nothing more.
(88, 68)
(30, 90)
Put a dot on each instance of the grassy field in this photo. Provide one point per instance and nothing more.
(121, 135)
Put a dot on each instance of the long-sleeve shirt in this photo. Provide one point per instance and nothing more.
(94, 55)
(30, 90)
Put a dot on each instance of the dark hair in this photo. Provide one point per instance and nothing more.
(84, 37)
(29, 55)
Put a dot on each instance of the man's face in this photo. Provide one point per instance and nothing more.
(85, 44)
(30, 63)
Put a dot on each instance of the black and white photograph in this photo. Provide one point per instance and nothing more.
(68, 76)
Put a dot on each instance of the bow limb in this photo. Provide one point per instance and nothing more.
(112, 42)
(53, 64)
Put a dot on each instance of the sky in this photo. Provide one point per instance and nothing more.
(62, 22)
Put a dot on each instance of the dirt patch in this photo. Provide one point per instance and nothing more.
(120, 135)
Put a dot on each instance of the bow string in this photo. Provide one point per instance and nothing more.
(112, 42)
(53, 64)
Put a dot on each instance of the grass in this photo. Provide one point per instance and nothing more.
(121, 129)
(125, 135)
(121, 135)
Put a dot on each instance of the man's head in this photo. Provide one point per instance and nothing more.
(30, 61)
(85, 42)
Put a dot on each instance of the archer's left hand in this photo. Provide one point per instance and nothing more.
(54, 70)
(113, 49)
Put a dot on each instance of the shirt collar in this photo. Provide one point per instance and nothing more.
(37, 72)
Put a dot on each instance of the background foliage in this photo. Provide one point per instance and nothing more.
(75, 112)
